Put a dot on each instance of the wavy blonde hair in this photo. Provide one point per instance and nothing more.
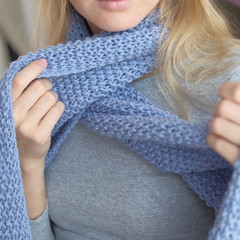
(200, 38)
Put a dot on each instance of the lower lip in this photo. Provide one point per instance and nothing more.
(115, 5)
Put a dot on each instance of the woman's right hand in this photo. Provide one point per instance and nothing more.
(224, 135)
(36, 111)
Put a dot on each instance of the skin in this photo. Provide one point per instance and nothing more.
(36, 110)
(36, 107)
(100, 19)
(224, 135)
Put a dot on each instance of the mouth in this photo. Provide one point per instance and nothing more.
(114, 5)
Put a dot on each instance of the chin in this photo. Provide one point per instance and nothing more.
(113, 28)
(116, 25)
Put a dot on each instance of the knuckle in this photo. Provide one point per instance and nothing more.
(218, 144)
(236, 93)
(39, 86)
(215, 125)
(50, 96)
(47, 83)
(233, 157)
(39, 140)
(209, 139)
(18, 80)
(56, 110)
(222, 88)
(61, 105)
(24, 129)
(27, 132)
(222, 107)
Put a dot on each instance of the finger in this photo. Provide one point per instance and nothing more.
(226, 149)
(51, 118)
(230, 90)
(25, 76)
(42, 106)
(225, 129)
(229, 110)
(31, 95)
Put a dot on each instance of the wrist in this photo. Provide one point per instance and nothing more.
(32, 166)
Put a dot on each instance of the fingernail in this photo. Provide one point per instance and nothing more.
(42, 62)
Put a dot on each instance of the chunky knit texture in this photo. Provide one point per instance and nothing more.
(91, 76)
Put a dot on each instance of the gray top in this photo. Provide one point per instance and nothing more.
(98, 189)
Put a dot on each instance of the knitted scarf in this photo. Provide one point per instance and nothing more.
(91, 75)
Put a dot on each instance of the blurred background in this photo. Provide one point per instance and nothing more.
(16, 26)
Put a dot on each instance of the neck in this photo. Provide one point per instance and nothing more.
(94, 29)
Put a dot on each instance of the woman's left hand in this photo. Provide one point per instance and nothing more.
(224, 135)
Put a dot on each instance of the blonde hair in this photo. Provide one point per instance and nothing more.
(200, 38)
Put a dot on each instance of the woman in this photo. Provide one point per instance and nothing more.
(125, 197)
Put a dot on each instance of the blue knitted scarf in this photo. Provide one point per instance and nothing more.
(91, 75)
